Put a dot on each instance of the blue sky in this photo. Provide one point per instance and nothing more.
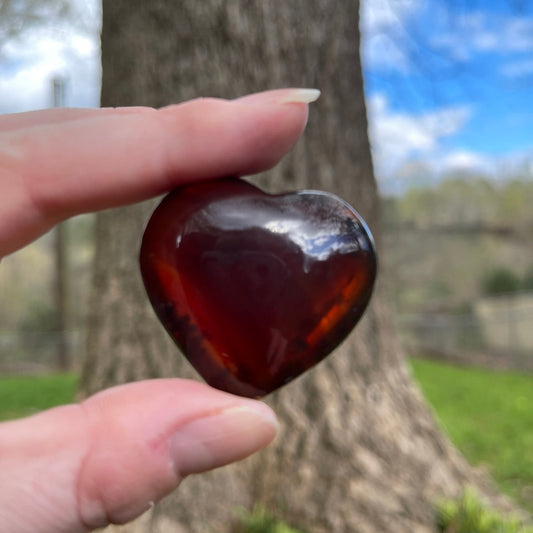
(456, 78)
(449, 85)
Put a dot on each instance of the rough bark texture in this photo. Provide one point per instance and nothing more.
(359, 450)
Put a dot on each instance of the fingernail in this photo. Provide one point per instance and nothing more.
(281, 96)
(299, 96)
(222, 438)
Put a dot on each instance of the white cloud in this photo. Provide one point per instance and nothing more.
(35, 59)
(483, 32)
(518, 34)
(453, 45)
(410, 148)
(485, 41)
(382, 15)
(432, 168)
(512, 34)
(398, 137)
(396, 35)
(382, 52)
(384, 35)
(517, 69)
(463, 160)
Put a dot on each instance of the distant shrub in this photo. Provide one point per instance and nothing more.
(499, 281)
(527, 282)
(39, 317)
(468, 515)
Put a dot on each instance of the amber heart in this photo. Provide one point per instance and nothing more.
(255, 288)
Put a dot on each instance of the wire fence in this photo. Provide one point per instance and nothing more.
(497, 333)
(38, 352)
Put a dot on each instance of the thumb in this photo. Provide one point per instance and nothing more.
(107, 460)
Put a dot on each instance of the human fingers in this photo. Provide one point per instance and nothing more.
(52, 171)
(76, 468)
(43, 117)
(58, 115)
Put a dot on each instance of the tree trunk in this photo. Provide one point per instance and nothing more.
(358, 450)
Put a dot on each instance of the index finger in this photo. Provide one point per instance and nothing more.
(51, 171)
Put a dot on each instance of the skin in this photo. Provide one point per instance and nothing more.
(109, 458)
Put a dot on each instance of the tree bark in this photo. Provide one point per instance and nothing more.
(359, 449)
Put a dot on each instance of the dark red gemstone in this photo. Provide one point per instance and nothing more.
(256, 288)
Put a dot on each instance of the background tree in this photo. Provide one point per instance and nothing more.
(17, 17)
(358, 450)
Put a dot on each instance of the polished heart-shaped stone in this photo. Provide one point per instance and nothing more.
(256, 288)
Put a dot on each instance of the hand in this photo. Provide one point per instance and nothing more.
(108, 459)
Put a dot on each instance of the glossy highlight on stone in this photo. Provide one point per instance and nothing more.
(256, 288)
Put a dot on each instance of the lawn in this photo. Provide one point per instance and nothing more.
(22, 396)
(489, 416)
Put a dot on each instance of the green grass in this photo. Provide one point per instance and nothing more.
(469, 515)
(261, 521)
(22, 396)
(489, 416)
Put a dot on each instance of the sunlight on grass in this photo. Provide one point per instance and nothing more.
(489, 416)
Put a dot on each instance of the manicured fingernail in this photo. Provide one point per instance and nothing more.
(222, 438)
(299, 96)
(281, 96)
